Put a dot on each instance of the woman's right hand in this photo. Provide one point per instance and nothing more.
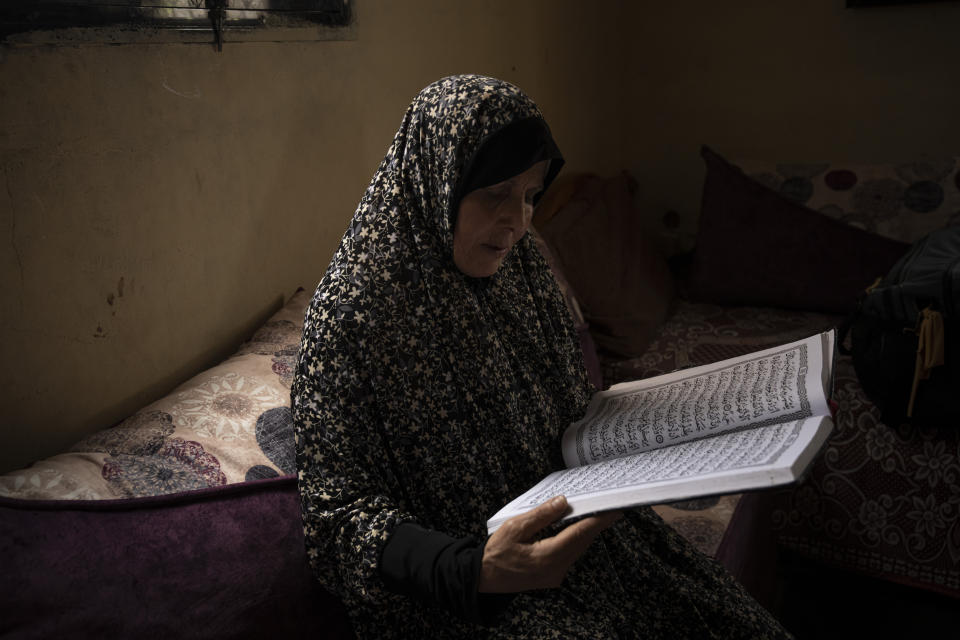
(513, 560)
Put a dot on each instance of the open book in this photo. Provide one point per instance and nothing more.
(745, 423)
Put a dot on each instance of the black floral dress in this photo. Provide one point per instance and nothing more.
(426, 396)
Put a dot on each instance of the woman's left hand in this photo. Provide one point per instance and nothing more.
(514, 561)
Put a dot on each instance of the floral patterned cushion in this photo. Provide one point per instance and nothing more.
(228, 424)
(902, 201)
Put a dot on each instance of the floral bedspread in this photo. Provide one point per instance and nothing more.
(880, 499)
(228, 424)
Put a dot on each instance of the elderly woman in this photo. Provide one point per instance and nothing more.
(437, 370)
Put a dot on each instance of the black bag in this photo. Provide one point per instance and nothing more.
(905, 335)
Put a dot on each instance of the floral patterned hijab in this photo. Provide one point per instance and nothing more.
(422, 394)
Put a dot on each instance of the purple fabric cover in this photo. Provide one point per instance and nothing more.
(227, 562)
(755, 247)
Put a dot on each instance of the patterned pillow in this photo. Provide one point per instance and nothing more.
(902, 201)
(228, 424)
(755, 247)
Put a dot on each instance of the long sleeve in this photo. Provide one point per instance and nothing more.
(439, 569)
(348, 493)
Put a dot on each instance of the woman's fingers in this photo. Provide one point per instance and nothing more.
(511, 562)
(524, 527)
(573, 541)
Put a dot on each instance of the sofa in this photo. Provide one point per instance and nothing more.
(783, 251)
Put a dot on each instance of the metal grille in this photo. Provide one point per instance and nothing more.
(17, 16)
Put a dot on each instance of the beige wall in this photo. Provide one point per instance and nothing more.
(159, 201)
(785, 80)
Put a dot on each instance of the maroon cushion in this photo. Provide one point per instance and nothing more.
(623, 284)
(755, 247)
(226, 562)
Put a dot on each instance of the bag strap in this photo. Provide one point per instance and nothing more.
(844, 328)
(929, 350)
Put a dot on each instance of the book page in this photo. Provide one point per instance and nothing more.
(732, 461)
(766, 387)
(726, 452)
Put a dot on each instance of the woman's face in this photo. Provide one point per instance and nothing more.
(492, 219)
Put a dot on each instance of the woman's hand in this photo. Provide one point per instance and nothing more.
(513, 561)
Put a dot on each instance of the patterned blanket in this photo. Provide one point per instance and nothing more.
(881, 499)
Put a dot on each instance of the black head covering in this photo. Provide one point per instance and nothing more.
(509, 152)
